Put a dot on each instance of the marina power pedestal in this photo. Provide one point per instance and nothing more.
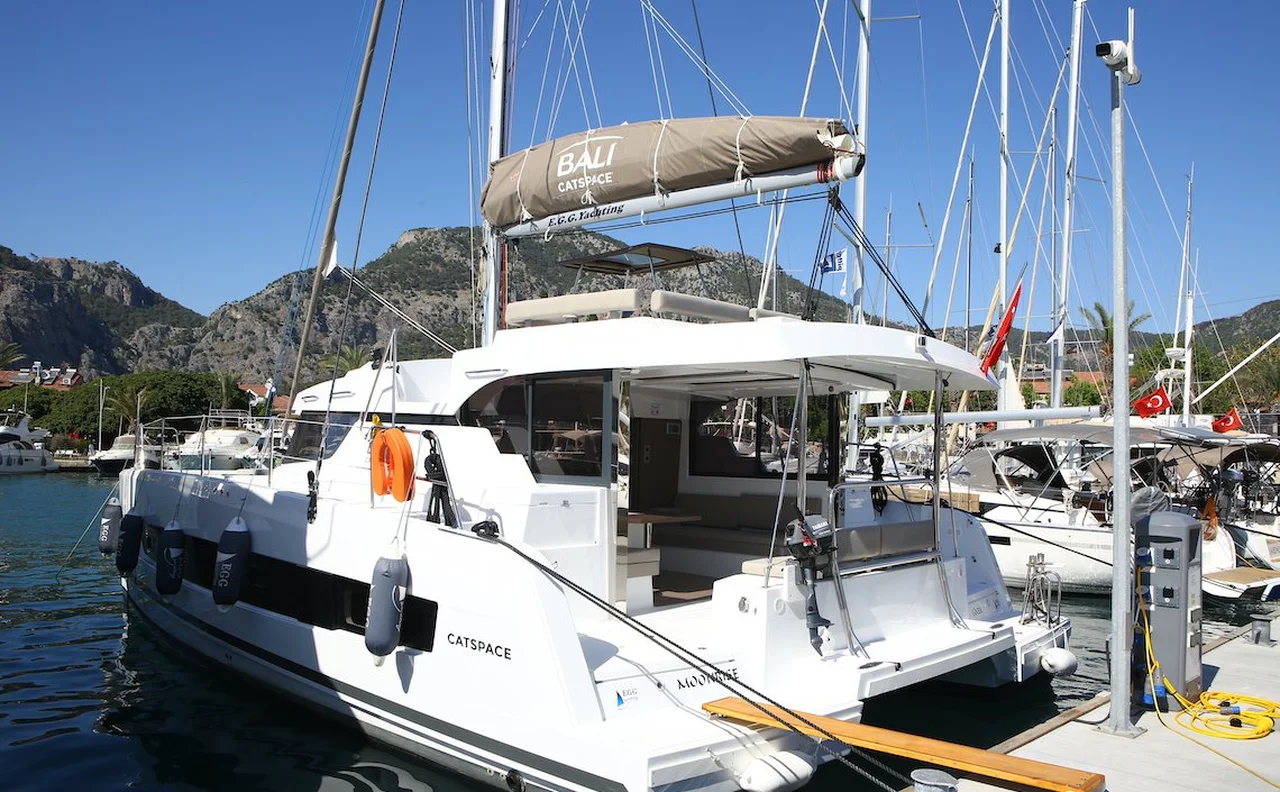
(1167, 564)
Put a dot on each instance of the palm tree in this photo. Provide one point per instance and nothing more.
(127, 402)
(1102, 323)
(228, 387)
(345, 359)
(10, 354)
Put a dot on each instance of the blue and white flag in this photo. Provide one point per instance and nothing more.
(1058, 334)
(835, 262)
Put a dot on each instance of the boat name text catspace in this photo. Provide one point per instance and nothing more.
(477, 645)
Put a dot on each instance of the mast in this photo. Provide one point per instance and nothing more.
(853, 281)
(493, 259)
(1002, 292)
(968, 263)
(1189, 296)
(326, 248)
(1068, 204)
(857, 272)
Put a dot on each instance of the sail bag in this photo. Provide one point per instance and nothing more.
(582, 172)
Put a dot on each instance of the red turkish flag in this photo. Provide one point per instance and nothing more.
(1002, 335)
(1228, 422)
(1157, 401)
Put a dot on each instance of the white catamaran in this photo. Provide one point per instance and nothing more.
(440, 556)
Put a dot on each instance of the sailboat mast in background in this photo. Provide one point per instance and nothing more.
(1068, 204)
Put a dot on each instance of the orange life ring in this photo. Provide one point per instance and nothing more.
(391, 464)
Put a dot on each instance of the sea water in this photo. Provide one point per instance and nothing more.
(91, 699)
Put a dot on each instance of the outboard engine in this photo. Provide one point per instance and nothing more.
(170, 560)
(129, 543)
(808, 539)
(231, 563)
(386, 606)
(110, 527)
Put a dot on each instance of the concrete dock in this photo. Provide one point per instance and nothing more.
(1163, 757)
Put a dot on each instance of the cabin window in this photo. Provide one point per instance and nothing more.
(569, 425)
(310, 434)
(749, 437)
(502, 408)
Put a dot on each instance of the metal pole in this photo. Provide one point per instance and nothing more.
(855, 275)
(1068, 200)
(102, 393)
(1002, 396)
(497, 147)
(326, 248)
(968, 265)
(1121, 532)
(1190, 298)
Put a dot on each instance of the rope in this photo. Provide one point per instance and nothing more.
(733, 686)
(85, 532)
(1205, 716)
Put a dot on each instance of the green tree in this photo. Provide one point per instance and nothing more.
(1102, 328)
(10, 354)
(1081, 394)
(228, 387)
(345, 359)
(128, 401)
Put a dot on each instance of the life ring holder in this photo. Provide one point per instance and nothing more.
(391, 464)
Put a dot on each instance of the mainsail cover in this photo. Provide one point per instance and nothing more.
(620, 163)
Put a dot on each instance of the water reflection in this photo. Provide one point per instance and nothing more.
(193, 726)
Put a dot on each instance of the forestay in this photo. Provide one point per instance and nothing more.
(620, 163)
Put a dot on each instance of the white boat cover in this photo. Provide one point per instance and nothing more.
(605, 166)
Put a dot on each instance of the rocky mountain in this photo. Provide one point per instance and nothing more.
(103, 318)
(100, 317)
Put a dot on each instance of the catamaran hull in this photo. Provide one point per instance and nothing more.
(409, 728)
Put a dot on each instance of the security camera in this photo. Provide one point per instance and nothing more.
(1114, 53)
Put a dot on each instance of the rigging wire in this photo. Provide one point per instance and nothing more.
(653, 65)
(733, 205)
(355, 254)
(472, 194)
(860, 239)
(308, 247)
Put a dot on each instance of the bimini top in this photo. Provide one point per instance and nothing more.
(604, 166)
(639, 260)
(730, 358)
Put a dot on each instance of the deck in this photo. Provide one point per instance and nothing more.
(1163, 758)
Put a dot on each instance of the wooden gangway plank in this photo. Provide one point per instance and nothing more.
(1012, 770)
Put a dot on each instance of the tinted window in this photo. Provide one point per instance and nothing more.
(750, 438)
(568, 426)
(310, 434)
(500, 408)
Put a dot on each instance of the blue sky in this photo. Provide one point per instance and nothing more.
(190, 141)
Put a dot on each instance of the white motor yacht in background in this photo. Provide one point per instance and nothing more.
(22, 447)
(123, 453)
(231, 445)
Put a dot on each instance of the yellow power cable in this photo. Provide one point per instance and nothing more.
(1205, 716)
